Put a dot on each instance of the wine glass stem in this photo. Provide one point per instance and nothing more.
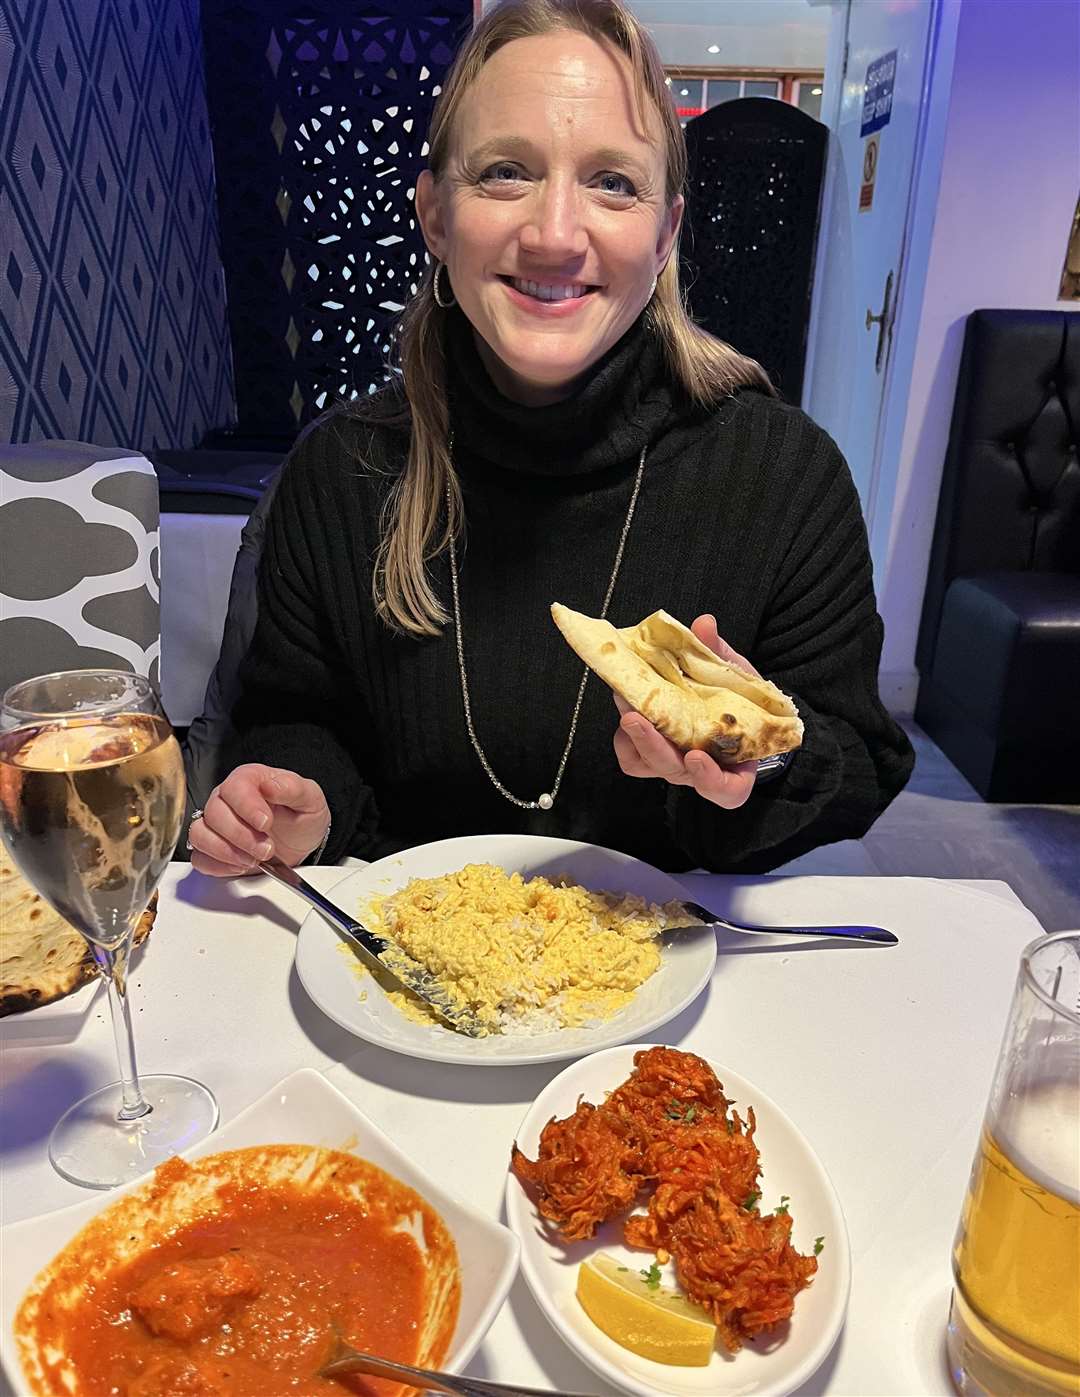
(112, 962)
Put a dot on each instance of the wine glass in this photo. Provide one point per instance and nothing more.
(91, 805)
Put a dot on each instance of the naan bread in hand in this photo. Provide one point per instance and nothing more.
(696, 699)
(42, 957)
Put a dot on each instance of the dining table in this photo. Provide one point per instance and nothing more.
(881, 1055)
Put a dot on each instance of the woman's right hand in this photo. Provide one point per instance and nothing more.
(258, 811)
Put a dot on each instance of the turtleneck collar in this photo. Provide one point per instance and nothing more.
(615, 410)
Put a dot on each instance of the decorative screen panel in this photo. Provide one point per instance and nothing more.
(753, 195)
(320, 112)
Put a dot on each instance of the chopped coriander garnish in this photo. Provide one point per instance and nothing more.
(751, 1200)
(652, 1277)
(784, 1201)
(819, 1243)
(674, 1111)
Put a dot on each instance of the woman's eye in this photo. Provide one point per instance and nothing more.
(504, 170)
(611, 183)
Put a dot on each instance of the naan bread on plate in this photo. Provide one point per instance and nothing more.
(42, 957)
(696, 699)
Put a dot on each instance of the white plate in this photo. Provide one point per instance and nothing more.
(789, 1166)
(687, 960)
(58, 1022)
(304, 1109)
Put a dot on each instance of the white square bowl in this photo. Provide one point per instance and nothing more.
(302, 1109)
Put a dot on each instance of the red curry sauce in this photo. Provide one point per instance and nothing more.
(240, 1302)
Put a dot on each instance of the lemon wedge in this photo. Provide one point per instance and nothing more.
(654, 1322)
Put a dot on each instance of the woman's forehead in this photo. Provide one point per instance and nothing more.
(564, 83)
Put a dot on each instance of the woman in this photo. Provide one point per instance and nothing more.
(562, 432)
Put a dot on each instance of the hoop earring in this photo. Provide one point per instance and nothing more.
(443, 305)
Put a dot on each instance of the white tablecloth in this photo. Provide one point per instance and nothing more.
(883, 1057)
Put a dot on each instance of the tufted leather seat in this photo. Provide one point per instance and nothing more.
(999, 644)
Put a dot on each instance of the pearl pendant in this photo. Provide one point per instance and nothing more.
(545, 802)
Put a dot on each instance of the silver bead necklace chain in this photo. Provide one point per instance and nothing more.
(548, 798)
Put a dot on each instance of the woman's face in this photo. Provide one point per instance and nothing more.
(551, 213)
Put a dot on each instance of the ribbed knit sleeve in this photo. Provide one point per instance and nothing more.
(299, 707)
(819, 639)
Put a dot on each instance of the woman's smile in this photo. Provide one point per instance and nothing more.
(550, 290)
(548, 298)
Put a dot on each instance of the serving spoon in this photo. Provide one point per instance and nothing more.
(877, 935)
(344, 1360)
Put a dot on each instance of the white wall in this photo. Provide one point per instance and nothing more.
(749, 33)
(1010, 175)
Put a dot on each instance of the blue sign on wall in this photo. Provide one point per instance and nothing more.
(877, 103)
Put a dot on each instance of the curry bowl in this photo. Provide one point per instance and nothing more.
(307, 1140)
(336, 981)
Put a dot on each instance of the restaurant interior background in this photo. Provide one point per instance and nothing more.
(206, 232)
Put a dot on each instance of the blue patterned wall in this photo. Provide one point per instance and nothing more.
(112, 304)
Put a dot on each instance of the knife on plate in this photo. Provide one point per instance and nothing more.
(385, 954)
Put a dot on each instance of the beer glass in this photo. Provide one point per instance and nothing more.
(1014, 1325)
(91, 804)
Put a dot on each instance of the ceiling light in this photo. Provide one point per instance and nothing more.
(668, 81)
(684, 92)
(815, 92)
(714, 48)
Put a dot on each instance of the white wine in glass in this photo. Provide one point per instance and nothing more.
(91, 805)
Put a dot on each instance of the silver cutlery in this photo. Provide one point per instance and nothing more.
(876, 935)
(376, 948)
(344, 1359)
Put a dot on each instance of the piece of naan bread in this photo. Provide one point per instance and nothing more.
(696, 699)
(42, 957)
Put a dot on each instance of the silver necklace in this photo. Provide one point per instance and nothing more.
(548, 798)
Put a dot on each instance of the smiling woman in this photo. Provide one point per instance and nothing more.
(557, 429)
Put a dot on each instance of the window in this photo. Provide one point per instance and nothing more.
(696, 90)
(722, 90)
(808, 97)
(689, 94)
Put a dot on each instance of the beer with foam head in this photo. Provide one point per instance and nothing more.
(1014, 1329)
(1017, 1255)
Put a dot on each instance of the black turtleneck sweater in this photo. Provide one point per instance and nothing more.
(747, 511)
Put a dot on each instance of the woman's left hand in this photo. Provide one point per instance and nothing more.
(643, 751)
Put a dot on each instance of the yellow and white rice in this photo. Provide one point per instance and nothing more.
(526, 955)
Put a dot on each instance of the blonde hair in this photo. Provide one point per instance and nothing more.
(415, 528)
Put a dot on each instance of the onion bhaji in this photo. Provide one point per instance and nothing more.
(668, 1132)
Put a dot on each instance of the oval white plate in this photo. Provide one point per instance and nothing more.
(357, 1003)
(789, 1165)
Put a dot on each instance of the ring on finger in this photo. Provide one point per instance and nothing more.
(195, 815)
